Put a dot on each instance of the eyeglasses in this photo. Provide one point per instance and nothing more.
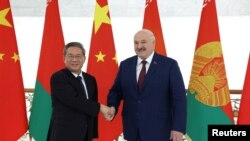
(71, 57)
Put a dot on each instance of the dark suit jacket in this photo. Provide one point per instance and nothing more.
(159, 108)
(73, 116)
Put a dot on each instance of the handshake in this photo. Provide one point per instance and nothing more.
(108, 112)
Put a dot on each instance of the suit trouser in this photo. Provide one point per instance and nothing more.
(86, 137)
(138, 136)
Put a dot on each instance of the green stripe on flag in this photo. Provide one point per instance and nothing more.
(40, 113)
(200, 116)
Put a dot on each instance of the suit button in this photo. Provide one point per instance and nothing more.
(139, 101)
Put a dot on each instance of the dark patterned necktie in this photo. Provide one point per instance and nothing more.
(82, 86)
(142, 74)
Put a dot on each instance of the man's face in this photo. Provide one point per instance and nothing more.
(74, 59)
(143, 44)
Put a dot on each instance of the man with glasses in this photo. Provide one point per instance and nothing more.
(74, 95)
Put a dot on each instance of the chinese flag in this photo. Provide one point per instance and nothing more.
(102, 64)
(152, 22)
(13, 119)
(208, 94)
(51, 60)
(243, 116)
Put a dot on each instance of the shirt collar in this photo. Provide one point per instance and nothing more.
(77, 75)
(149, 59)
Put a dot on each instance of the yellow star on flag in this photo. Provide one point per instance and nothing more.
(101, 16)
(3, 20)
(115, 58)
(15, 57)
(1, 56)
(100, 57)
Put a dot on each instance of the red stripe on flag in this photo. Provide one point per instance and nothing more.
(244, 116)
(51, 60)
(152, 22)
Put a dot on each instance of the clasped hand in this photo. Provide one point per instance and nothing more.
(108, 112)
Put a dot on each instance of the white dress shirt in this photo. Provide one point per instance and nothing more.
(139, 65)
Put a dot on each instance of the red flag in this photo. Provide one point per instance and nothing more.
(51, 60)
(208, 93)
(102, 64)
(152, 22)
(13, 119)
(244, 116)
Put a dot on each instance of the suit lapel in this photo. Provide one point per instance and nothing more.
(133, 72)
(75, 83)
(72, 80)
(130, 69)
(151, 71)
(88, 85)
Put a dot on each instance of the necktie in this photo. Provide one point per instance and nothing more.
(83, 87)
(142, 74)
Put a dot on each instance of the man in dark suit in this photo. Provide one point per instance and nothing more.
(154, 109)
(75, 104)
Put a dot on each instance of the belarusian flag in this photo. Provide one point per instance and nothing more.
(13, 119)
(102, 64)
(152, 22)
(51, 60)
(244, 116)
(208, 93)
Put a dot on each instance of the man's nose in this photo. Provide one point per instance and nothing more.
(140, 45)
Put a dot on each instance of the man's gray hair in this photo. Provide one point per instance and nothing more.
(73, 44)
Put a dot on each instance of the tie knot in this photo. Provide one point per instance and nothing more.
(144, 62)
(79, 78)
